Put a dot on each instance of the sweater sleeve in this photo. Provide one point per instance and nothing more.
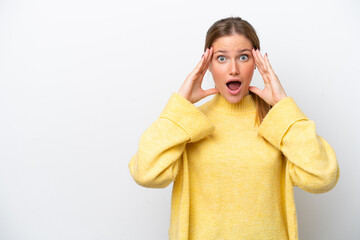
(312, 161)
(157, 160)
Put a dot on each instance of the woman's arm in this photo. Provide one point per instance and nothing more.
(312, 161)
(157, 161)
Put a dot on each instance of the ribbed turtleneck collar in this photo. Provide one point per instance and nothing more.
(219, 103)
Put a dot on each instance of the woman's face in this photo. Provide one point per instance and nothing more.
(232, 61)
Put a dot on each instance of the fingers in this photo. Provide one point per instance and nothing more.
(201, 66)
(267, 62)
(211, 91)
(199, 71)
(260, 63)
(200, 63)
(256, 58)
(255, 90)
(263, 62)
(207, 56)
(263, 65)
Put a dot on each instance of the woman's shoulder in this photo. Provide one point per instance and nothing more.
(205, 107)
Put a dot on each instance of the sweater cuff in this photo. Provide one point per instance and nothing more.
(188, 117)
(279, 119)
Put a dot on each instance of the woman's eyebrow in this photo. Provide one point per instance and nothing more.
(240, 51)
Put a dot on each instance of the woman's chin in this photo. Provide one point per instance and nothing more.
(233, 98)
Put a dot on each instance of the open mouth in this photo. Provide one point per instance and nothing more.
(233, 85)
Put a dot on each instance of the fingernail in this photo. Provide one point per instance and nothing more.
(202, 56)
(266, 54)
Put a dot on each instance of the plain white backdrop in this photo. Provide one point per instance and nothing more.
(81, 80)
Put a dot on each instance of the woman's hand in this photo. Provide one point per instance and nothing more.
(273, 92)
(191, 88)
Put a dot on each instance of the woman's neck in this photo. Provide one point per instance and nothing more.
(245, 105)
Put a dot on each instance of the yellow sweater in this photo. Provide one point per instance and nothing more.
(232, 179)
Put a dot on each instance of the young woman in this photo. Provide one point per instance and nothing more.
(235, 159)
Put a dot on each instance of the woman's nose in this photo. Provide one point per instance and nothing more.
(234, 68)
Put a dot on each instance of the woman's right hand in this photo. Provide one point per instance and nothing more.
(191, 88)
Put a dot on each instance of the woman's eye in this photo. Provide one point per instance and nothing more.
(221, 58)
(243, 57)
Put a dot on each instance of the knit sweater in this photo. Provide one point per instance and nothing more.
(233, 179)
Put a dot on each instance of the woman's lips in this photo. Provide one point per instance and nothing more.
(234, 87)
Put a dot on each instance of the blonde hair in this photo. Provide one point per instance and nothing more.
(236, 25)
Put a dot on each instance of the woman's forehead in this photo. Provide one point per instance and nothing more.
(234, 42)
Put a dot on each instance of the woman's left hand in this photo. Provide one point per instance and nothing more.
(273, 92)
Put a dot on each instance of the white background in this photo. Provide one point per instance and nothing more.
(81, 80)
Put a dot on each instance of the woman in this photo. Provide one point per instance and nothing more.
(235, 159)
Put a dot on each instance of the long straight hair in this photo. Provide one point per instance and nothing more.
(236, 25)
